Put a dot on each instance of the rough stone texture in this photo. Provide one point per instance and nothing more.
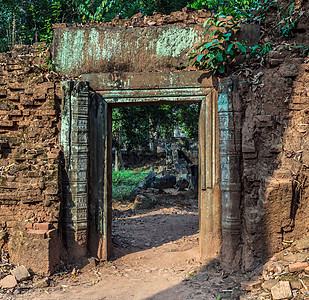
(274, 156)
(250, 285)
(95, 49)
(145, 201)
(29, 155)
(8, 282)
(267, 285)
(20, 273)
(41, 283)
(263, 125)
(303, 243)
(268, 146)
(298, 266)
(282, 290)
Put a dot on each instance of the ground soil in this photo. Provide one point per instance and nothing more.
(156, 256)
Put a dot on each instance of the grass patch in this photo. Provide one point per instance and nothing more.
(124, 181)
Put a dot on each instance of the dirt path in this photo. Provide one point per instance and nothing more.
(156, 257)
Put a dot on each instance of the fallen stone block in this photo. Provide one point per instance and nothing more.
(167, 181)
(8, 282)
(303, 243)
(298, 266)
(250, 285)
(282, 290)
(288, 70)
(267, 285)
(145, 201)
(41, 283)
(296, 285)
(20, 273)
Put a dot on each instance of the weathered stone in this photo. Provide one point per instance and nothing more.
(165, 182)
(182, 184)
(145, 201)
(150, 178)
(275, 54)
(244, 297)
(8, 282)
(20, 273)
(289, 70)
(267, 285)
(275, 62)
(296, 285)
(282, 290)
(138, 189)
(298, 266)
(41, 283)
(303, 243)
(250, 285)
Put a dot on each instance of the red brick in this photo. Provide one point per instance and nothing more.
(6, 123)
(16, 86)
(26, 100)
(13, 96)
(29, 226)
(298, 266)
(3, 93)
(41, 226)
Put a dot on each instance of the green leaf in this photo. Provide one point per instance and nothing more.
(200, 57)
(207, 22)
(219, 57)
(241, 47)
(209, 44)
(230, 47)
(212, 34)
(221, 69)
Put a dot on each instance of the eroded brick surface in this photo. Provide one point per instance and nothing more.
(29, 164)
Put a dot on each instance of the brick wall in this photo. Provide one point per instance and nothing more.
(29, 165)
(275, 155)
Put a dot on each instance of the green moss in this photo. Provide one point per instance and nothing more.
(174, 40)
(71, 49)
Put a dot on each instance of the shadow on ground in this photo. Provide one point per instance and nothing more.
(152, 228)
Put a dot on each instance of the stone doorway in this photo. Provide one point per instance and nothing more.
(86, 142)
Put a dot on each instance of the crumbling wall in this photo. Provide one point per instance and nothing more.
(275, 154)
(29, 158)
(273, 118)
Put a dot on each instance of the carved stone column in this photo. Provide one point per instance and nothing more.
(74, 140)
(229, 108)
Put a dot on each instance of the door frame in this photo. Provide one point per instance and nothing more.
(151, 88)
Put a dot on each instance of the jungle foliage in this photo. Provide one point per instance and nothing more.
(29, 21)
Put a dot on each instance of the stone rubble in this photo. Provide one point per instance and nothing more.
(284, 276)
(20, 273)
(186, 16)
(8, 282)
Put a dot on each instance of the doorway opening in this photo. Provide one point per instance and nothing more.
(86, 139)
(155, 178)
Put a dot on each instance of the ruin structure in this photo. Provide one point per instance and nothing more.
(55, 145)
